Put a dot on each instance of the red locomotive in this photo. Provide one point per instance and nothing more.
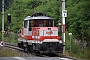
(39, 34)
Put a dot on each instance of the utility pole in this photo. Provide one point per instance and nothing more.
(3, 21)
(64, 14)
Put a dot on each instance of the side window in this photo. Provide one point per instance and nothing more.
(25, 24)
(31, 23)
(30, 26)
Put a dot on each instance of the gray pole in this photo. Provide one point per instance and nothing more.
(70, 34)
(3, 20)
(70, 45)
(63, 25)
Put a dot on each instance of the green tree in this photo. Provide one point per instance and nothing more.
(78, 19)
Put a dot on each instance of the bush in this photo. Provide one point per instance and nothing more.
(76, 49)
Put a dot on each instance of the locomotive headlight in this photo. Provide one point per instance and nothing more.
(60, 41)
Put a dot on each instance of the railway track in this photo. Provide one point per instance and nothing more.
(34, 54)
(13, 46)
(19, 50)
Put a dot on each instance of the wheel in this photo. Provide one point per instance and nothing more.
(26, 49)
(25, 46)
(19, 45)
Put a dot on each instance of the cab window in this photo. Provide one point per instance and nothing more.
(25, 24)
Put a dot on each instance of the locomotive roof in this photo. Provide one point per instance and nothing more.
(38, 17)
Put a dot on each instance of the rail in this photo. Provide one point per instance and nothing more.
(36, 54)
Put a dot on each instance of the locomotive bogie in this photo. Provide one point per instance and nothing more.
(51, 47)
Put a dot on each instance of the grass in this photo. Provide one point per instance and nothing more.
(83, 53)
(4, 52)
